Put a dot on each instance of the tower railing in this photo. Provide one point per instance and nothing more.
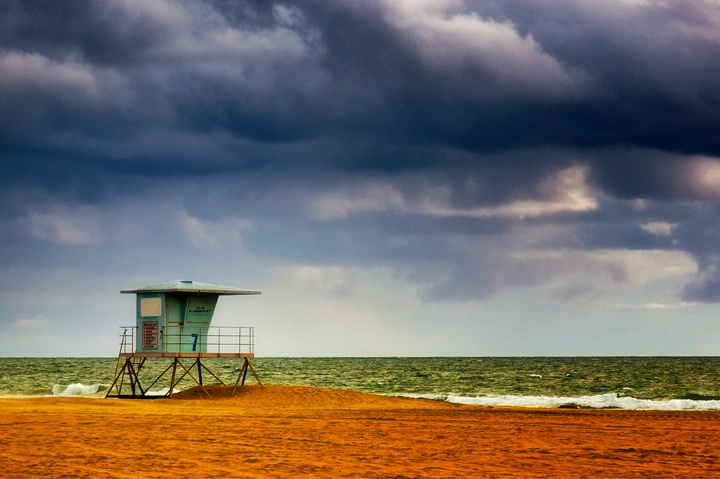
(218, 341)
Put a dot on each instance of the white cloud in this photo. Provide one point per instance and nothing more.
(66, 225)
(28, 323)
(644, 266)
(202, 233)
(665, 305)
(621, 266)
(703, 176)
(69, 79)
(372, 197)
(659, 228)
(210, 46)
(482, 56)
(324, 281)
(565, 275)
(565, 192)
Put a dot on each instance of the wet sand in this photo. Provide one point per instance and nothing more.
(289, 431)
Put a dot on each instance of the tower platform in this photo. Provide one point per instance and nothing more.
(138, 375)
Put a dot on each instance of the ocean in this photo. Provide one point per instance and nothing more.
(672, 383)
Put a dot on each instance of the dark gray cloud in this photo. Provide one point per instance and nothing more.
(517, 75)
(416, 135)
(108, 76)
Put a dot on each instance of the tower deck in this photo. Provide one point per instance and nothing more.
(186, 355)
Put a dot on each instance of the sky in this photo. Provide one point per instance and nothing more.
(398, 177)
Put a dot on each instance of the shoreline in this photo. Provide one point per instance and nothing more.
(605, 401)
(286, 431)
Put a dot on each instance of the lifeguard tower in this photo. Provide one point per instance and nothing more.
(173, 322)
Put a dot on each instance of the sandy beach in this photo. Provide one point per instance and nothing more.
(290, 431)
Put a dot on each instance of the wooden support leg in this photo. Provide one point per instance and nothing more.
(172, 377)
(162, 374)
(134, 378)
(213, 375)
(245, 370)
(187, 371)
(119, 378)
(241, 376)
(257, 378)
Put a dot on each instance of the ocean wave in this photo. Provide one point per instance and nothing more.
(77, 389)
(601, 401)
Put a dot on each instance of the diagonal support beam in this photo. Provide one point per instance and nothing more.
(187, 371)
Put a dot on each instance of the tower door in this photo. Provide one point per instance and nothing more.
(174, 323)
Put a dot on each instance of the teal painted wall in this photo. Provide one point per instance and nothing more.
(198, 315)
(174, 322)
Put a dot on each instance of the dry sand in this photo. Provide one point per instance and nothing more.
(287, 431)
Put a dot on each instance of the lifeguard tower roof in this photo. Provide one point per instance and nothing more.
(187, 286)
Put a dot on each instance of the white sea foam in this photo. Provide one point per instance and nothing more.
(601, 401)
(162, 392)
(76, 389)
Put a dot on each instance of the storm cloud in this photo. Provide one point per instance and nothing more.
(465, 153)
